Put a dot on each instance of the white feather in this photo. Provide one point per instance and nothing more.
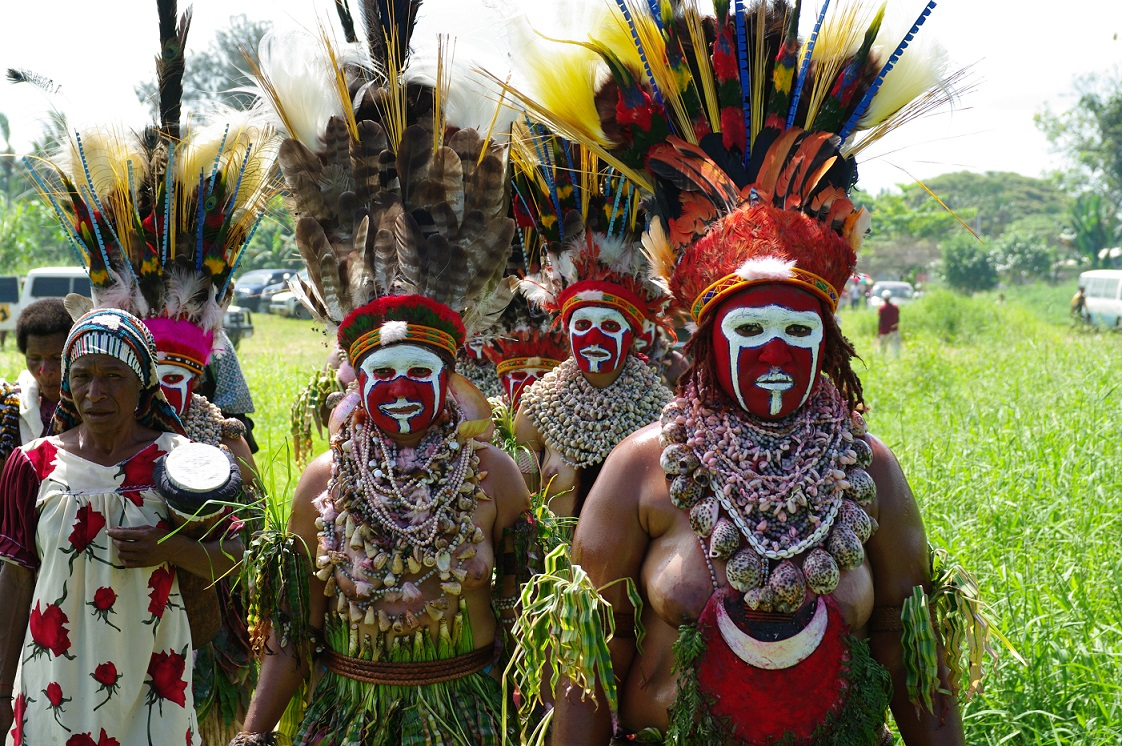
(296, 65)
(766, 268)
(393, 331)
(538, 291)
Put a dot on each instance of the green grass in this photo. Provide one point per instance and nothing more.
(1006, 422)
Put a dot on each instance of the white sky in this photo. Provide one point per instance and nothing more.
(1025, 54)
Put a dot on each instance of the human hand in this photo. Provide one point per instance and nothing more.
(142, 546)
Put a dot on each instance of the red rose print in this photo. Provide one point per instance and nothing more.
(87, 525)
(104, 598)
(81, 739)
(55, 701)
(167, 682)
(137, 473)
(159, 589)
(42, 457)
(48, 631)
(54, 694)
(105, 740)
(19, 711)
(106, 674)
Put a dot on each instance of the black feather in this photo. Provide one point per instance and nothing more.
(169, 64)
(346, 21)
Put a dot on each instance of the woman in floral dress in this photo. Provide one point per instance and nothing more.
(96, 617)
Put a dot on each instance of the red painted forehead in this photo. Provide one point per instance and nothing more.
(770, 294)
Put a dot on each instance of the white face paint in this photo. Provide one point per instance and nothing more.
(176, 382)
(402, 387)
(751, 328)
(598, 336)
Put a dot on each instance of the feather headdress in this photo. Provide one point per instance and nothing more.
(582, 221)
(745, 134)
(401, 210)
(160, 218)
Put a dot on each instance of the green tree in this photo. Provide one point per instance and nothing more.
(211, 75)
(274, 243)
(1021, 258)
(968, 266)
(30, 236)
(1089, 136)
(1095, 227)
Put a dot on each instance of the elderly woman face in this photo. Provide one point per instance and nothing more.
(106, 391)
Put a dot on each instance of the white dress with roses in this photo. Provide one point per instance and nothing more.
(106, 659)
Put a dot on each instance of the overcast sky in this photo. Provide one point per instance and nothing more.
(1025, 55)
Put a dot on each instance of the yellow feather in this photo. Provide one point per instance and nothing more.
(840, 37)
(660, 255)
(922, 67)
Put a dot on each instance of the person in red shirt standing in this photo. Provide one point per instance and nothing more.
(888, 324)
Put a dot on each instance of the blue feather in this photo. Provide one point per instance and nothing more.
(745, 75)
(547, 171)
(72, 234)
(234, 267)
(169, 197)
(805, 68)
(642, 55)
(893, 58)
(201, 218)
(100, 209)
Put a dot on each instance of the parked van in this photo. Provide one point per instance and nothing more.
(1102, 288)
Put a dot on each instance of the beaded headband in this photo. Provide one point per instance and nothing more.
(412, 333)
(517, 363)
(729, 284)
(171, 358)
(606, 294)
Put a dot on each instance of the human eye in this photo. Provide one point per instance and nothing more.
(799, 330)
(749, 329)
(582, 325)
(383, 373)
(611, 325)
(420, 372)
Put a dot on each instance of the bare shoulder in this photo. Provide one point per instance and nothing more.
(312, 484)
(503, 484)
(526, 432)
(631, 468)
(898, 550)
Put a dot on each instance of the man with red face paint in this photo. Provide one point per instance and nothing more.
(775, 544)
(578, 412)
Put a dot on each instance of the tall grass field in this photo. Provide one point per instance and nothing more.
(1008, 423)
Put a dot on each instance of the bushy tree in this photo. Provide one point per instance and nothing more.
(274, 243)
(1021, 258)
(968, 266)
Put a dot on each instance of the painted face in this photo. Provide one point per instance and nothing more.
(474, 348)
(767, 341)
(518, 380)
(645, 341)
(600, 338)
(177, 383)
(403, 387)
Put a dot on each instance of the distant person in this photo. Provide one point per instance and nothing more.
(26, 407)
(855, 295)
(888, 324)
(1079, 306)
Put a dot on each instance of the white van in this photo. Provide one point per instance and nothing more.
(1103, 291)
(49, 282)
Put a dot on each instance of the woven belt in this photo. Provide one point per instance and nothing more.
(409, 674)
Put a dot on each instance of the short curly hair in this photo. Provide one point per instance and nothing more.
(42, 318)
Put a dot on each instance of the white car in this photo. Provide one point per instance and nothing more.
(285, 303)
(902, 292)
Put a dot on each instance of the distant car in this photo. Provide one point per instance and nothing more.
(238, 324)
(249, 287)
(286, 304)
(902, 292)
(271, 291)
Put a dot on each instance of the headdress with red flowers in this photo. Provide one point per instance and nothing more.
(744, 134)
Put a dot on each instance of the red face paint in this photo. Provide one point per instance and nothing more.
(767, 343)
(178, 384)
(600, 338)
(645, 341)
(403, 388)
(518, 380)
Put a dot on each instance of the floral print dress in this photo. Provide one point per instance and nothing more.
(106, 658)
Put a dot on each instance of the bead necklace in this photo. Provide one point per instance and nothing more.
(583, 423)
(395, 517)
(786, 488)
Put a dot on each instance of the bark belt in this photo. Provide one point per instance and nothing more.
(409, 674)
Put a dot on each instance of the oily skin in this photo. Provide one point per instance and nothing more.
(630, 529)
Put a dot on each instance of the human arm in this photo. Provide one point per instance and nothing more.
(16, 587)
(244, 459)
(527, 435)
(899, 558)
(504, 485)
(610, 543)
(283, 669)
